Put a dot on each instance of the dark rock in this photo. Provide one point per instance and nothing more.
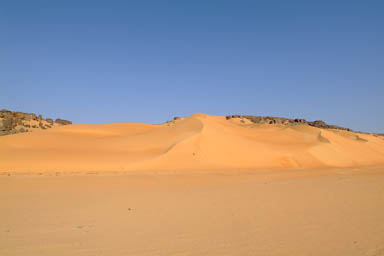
(6, 124)
(318, 123)
(287, 121)
(15, 122)
(63, 122)
(301, 121)
(19, 115)
(29, 117)
(5, 114)
(322, 124)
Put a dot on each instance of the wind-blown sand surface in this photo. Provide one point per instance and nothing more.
(201, 185)
(198, 142)
(333, 211)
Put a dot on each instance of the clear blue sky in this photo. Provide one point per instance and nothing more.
(148, 61)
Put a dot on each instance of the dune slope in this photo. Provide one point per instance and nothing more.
(197, 142)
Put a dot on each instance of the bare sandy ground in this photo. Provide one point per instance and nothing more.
(332, 211)
(200, 185)
(198, 142)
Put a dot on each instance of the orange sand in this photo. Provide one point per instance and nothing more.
(198, 142)
(201, 185)
(286, 212)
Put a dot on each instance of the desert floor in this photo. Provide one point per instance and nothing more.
(336, 211)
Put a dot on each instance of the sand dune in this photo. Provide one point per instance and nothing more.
(197, 142)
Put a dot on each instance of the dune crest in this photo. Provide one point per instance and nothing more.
(196, 142)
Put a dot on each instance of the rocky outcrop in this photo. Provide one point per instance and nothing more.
(17, 122)
(287, 121)
(62, 122)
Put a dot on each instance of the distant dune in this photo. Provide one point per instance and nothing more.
(197, 142)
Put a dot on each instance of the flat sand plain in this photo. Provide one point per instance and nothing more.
(303, 211)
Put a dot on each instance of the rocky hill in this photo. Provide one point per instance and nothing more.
(17, 122)
(287, 121)
(290, 122)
